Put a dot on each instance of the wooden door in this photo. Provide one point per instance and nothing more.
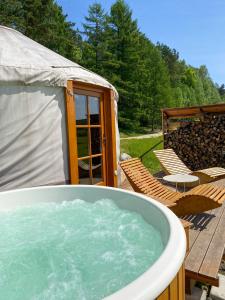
(90, 134)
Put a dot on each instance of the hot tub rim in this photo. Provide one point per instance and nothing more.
(143, 288)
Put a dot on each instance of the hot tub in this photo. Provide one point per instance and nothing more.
(159, 276)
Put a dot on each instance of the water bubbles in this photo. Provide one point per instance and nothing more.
(108, 256)
(73, 250)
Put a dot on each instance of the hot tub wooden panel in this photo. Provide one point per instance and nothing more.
(176, 289)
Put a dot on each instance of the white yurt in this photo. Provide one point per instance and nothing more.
(57, 119)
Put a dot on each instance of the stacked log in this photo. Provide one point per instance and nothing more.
(200, 144)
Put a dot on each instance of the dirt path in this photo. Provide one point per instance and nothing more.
(145, 136)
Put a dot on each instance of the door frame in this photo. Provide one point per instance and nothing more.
(109, 128)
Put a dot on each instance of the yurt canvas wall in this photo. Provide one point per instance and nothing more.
(33, 129)
(33, 148)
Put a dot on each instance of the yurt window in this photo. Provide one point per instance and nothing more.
(90, 154)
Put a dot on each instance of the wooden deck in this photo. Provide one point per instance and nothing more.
(206, 243)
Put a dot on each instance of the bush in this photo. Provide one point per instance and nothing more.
(127, 124)
(144, 120)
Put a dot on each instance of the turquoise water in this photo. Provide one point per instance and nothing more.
(73, 250)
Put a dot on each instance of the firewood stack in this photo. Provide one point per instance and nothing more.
(200, 144)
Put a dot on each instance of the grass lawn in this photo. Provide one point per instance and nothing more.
(136, 147)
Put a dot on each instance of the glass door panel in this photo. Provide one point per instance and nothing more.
(84, 171)
(81, 110)
(96, 141)
(82, 142)
(94, 109)
(97, 169)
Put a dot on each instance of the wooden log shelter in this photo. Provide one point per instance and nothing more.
(196, 134)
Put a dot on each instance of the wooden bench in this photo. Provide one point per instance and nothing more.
(206, 246)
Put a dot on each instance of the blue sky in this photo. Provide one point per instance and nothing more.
(195, 28)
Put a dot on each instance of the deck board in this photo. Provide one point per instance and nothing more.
(211, 266)
(203, 245)
(207, 240)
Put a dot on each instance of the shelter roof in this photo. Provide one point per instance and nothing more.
(182, 112)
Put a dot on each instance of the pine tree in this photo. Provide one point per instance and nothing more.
(171, 58)
(123, 35)
(11, 14)
(156, 83)
(95, 53)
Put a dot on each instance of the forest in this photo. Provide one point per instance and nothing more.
(147, 76)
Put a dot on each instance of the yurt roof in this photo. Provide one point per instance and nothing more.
(24, 61)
